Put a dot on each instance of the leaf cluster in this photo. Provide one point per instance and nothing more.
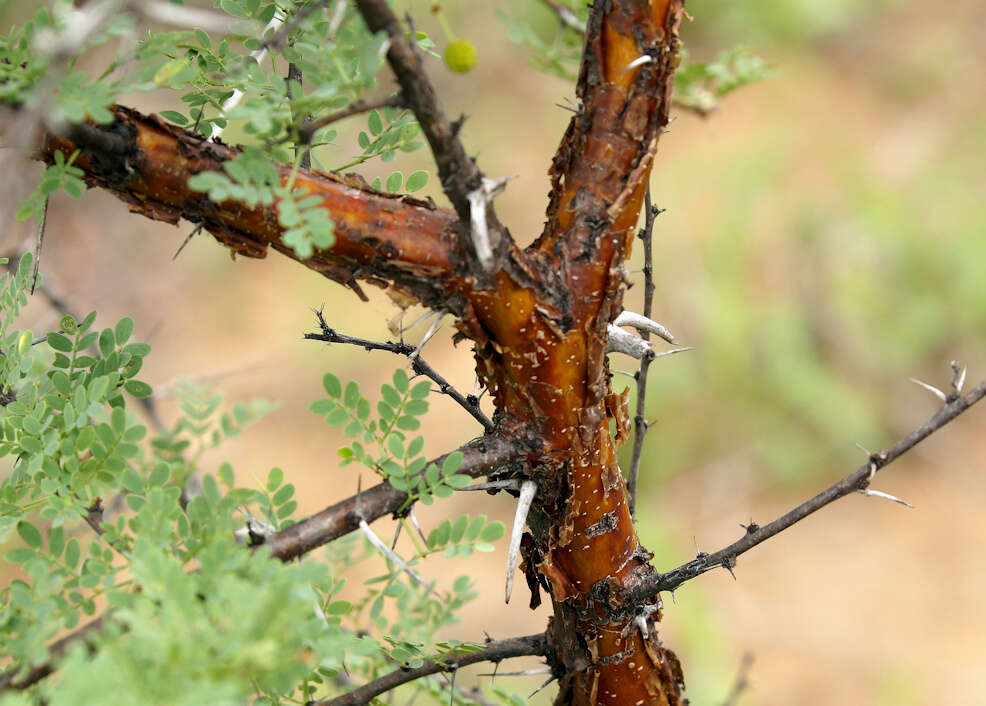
(396, 458)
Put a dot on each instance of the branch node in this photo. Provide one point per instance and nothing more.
(485, 242)
(885, 496)
(932, 389)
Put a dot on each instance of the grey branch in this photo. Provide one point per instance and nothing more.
(493, 652)
(856, 481)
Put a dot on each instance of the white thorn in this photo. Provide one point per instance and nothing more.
(481, 237)
(524, 673)
(642, 323)
(932, 389)
(427, 337)
(873, 470)
(639, 61)
(527, 490)
(621, 341)
(424, 317)
(683, 349)
(337, 14)
(253, 528)
(641, 622)
(414, 522)
(493, 485)
(391, 556)
(885, 496)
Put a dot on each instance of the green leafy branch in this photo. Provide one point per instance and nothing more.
(398, 460)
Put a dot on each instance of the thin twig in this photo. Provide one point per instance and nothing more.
(854, 482)
(419, 366)
(458, 172)
(305, 150)
(640, 427)
(307, 130)
(493, 652)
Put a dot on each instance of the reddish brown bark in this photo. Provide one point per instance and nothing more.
(538, 322)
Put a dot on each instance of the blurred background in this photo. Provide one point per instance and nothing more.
(824, 241)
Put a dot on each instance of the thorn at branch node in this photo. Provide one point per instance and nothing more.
(885, 496)
(621, 341)
(639, 61)
(642, 323)
(527, 490)
(932, 389)
(483, 241)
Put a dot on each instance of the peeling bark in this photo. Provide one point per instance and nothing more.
(538, 321)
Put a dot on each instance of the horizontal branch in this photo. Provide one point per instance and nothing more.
(480, 457)
(856, 481)
(418, 365)
(146, 162)
(493, 652)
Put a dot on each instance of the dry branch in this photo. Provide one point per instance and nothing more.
(856, 481)
(493, 652)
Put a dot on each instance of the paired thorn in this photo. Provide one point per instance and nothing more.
(621, 341)
(932, 389)
(400, 328)
(483, 241)
(427, 337)
(640, 620)
(885, 496)
(392, 557)
(522, 673)
(494, 485)
(527, 490)
(642, 323)
(254, 532)
(417, 527)
(548, 681)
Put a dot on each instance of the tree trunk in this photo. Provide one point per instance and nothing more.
(538, 319)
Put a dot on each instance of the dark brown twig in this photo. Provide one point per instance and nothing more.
(419, 366)
(856, 481)
(305, 158)
(640, 427)
(528, 645)
(307, 130)
(459, 174)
